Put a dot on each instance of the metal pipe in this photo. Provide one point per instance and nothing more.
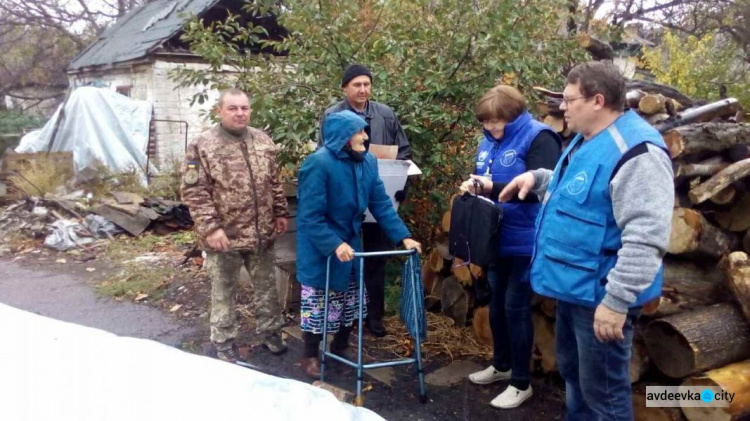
(385, 253)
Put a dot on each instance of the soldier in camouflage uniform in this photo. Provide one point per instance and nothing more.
(231, 185)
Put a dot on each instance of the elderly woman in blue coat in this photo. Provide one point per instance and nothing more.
(337, 184)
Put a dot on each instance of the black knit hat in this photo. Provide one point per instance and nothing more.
(354, 70)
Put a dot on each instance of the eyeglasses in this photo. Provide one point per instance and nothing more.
(567, 101)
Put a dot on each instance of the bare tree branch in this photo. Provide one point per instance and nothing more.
(38, 38)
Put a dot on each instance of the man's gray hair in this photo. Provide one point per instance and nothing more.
(230, 91)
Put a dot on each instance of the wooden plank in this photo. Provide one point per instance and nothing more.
(134, 224)
(127, 198)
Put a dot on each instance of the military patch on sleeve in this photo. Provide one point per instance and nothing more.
(191, 173)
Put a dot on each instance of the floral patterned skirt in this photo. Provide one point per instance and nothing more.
(343, 307)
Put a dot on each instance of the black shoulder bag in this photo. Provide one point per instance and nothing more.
(475, 221)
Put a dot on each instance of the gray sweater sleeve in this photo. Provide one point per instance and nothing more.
(642, 194)
(542, 176)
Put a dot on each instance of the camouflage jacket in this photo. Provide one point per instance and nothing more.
(233, 184)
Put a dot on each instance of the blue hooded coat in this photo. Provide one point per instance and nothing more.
(334, 192)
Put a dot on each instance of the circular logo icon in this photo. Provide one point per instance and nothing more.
(509, 158)
(707, 395)
(578, 184)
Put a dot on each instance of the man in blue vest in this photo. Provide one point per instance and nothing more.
(602, 231)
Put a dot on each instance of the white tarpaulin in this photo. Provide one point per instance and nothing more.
(101, 125)
(54, 370)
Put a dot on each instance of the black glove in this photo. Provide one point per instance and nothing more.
(400, 195)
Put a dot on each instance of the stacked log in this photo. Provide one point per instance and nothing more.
(699, 329)
(449, 281)
(549, 112)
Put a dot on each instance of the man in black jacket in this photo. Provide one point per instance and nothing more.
(383, 128)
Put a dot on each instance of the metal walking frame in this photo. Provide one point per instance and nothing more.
(416, 360)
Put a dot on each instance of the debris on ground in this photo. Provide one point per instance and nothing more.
(67, 234)
(444, 338)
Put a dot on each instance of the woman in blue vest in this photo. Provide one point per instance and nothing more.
(514, 142)
(337, 183)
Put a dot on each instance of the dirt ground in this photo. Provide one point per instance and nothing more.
(184, 297)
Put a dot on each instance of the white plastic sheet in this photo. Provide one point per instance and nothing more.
(394, 174)
(53, 370)
(101, 125)
(66, 234)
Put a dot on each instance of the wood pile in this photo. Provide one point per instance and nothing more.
(698, 331)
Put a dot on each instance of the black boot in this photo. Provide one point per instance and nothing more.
(375, 326)
(340, 343)
(310, 363)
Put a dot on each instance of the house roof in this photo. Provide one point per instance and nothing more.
(139, 32)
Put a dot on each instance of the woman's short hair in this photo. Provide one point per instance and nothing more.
(502, 102)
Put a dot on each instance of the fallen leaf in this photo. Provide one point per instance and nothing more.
(61, 261)
(90, 269)
(175, 308)
(140, 297)
(367, 388)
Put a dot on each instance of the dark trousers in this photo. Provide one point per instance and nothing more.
(597, 375)
(510, 318)
(374, 239)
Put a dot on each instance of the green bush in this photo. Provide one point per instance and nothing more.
(13, 123)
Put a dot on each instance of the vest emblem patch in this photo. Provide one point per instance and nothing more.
(578, 184)
(509, 158)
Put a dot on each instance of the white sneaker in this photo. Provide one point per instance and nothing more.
(511, 398)
(489, 375)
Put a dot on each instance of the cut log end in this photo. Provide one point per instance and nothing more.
(669, 349)
(687, 343)
(461, 271)
(436, 261)
(544, 342)
(446, 222)
(674, 142)
(685, 231)
(454, 301)
(481, 326)
(652, 104)
(693, 234)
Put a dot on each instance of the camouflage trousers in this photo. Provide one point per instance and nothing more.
(224, 270)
